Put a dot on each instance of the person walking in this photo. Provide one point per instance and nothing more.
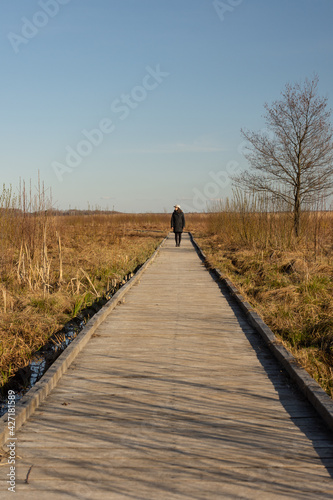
(178, 224)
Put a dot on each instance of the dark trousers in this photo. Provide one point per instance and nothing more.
(178, 238)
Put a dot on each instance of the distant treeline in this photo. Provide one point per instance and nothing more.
(52, 211)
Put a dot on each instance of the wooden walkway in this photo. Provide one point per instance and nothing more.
(174, 398)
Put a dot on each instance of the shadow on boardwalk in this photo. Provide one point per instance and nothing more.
(175, 397)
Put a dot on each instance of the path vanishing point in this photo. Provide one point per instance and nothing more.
(174, 397)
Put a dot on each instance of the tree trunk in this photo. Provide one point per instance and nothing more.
(297, 218)
(297, 207)
(297, 204)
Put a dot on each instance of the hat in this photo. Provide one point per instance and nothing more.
(176, 206)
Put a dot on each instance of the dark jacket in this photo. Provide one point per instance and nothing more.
(178, 221)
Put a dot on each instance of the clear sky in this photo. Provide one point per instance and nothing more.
(138, 104)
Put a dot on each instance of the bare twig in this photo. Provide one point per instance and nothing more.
(28, 474)
(89, 280)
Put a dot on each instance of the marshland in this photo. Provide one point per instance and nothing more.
(55, 264)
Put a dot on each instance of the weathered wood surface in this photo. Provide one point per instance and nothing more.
(174, 397)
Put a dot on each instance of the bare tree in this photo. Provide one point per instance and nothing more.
(294, 162)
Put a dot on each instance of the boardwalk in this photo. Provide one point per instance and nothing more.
(174, 397)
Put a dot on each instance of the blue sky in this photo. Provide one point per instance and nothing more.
(138, 104)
